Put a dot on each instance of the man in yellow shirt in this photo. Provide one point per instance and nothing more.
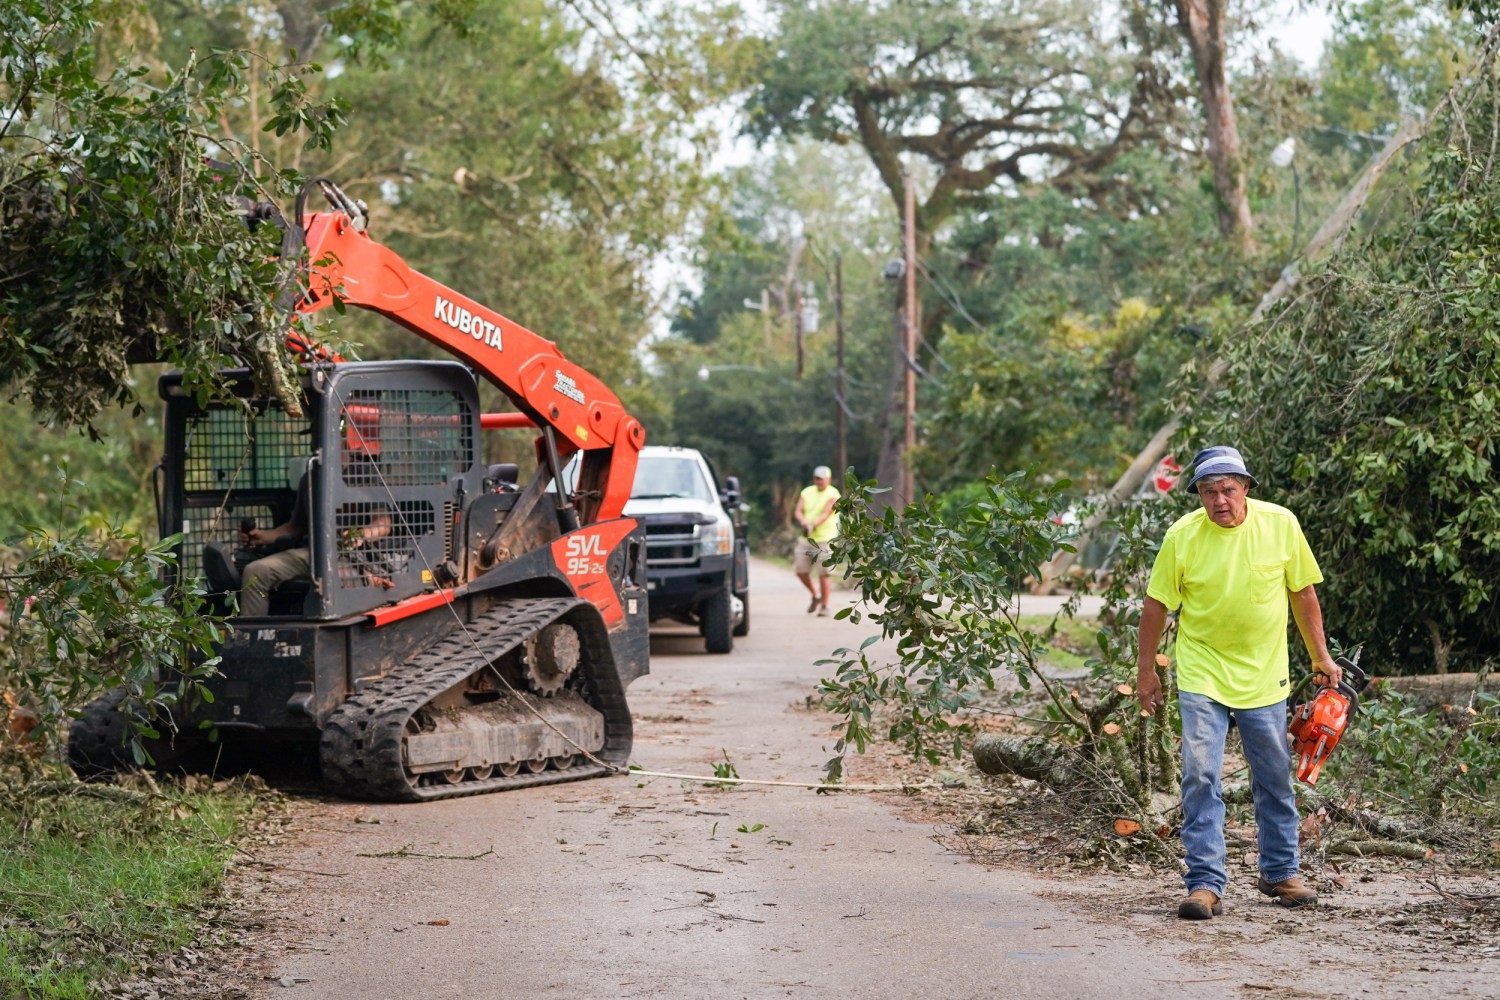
(1230, 569)
(818, 525)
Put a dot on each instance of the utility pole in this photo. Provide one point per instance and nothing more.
(838, 371)
(908, 474)
(797, 325)
(764, 308)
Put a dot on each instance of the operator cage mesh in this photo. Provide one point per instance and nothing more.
(239, 463)
(392, 443)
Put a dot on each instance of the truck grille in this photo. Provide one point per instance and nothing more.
(671, 544)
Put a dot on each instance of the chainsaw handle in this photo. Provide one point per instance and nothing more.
(1352, 682)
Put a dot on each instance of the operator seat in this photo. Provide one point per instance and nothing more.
(504, 476)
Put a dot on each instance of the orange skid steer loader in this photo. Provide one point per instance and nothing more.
(459, 628)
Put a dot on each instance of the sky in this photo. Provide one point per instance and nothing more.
(1301, 33)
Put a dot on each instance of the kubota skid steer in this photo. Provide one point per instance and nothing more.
(484, 636)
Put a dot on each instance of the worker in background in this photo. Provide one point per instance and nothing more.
(817, 526)
(1229, 569)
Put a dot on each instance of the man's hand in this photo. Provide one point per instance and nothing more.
(256, 537)
(1147, 683)
(1327, 673)
(1148, 690)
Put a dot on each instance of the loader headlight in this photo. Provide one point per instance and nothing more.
(716, 538)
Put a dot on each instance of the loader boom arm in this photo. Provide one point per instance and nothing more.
(346, 265)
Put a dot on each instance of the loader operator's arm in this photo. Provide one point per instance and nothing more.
(546, 387)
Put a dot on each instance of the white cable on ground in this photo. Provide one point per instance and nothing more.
(708, 779)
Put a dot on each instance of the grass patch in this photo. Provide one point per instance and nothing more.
(92, 890)
(1075, 642)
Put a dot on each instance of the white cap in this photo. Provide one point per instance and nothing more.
(822, 472)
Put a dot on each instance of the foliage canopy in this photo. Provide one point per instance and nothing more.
(117, 243)
(1372, 403)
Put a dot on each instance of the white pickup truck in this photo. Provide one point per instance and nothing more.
(697, 553)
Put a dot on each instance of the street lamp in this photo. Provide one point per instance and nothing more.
(705, 370)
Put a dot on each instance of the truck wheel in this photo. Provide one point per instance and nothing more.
(743, 628)
(718, 623)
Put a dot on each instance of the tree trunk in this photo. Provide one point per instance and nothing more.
(1202, 23)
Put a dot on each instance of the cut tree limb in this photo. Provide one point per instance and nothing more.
(1385, 848)
(1035, 758)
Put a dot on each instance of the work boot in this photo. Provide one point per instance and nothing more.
(812, 605)
(1292, 892)
(1200, 904)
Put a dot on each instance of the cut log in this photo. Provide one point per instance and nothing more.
(1433, 690)
(1035, 758)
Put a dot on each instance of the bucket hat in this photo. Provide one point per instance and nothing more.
(1218, 460)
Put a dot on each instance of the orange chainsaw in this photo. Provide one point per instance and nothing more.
(1318, 723)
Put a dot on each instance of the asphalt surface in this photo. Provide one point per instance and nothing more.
(656, 887)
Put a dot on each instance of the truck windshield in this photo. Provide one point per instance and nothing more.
(656, 478)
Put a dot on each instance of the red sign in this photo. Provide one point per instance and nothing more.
(1165, 474)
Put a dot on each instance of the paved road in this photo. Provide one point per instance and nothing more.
(632, 887)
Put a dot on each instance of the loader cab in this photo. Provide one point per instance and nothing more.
(390, 452)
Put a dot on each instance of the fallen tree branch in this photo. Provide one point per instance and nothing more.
(1386, 848)
(407, 852)
(1026, 757)
(1381, 827)
(1486, 903)
(84, 790)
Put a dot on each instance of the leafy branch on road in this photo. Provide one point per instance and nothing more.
(945, 585)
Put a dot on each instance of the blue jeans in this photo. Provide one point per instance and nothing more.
(1263, 732)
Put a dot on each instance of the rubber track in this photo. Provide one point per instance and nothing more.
(96, 745)
(363, 739)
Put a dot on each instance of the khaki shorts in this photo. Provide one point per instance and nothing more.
(808, 554)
